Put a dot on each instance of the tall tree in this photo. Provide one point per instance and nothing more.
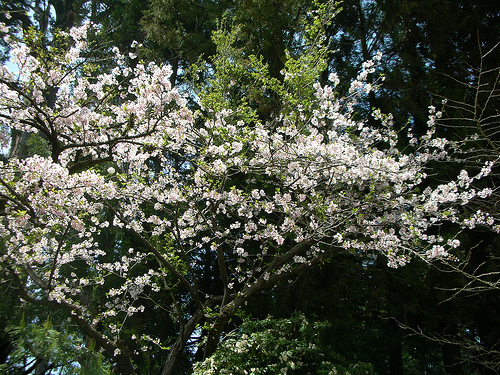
(143, 205)
(261, 196)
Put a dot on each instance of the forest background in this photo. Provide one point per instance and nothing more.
(348, 310)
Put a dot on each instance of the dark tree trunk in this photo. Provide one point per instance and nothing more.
(452, 359)
(178, 348)
(5, 346)
(18, 144)
(395, 350)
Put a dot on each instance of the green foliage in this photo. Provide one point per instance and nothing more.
(42, 346)
(278, 346)
(182, 28)
(37, 145)
(239, 82)
(243, 82)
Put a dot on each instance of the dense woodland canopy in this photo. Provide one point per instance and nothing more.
(249, 186)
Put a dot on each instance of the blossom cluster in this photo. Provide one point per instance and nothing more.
(263, 198)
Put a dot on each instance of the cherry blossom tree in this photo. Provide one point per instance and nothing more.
(264, 198)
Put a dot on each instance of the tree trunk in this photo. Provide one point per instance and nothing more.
(214, 334)
(5, 346)
(42, 367)
(452, 359)
(18, 144)
(178, 348)
(395, 350)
